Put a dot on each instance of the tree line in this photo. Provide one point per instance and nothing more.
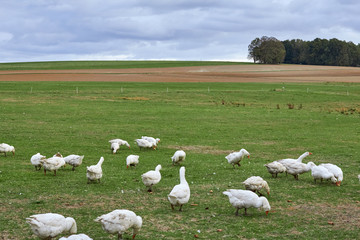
(334, 52)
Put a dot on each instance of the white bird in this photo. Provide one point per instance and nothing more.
(299, 160)
(50, 225)
(180, 194)
(154, 141)
(114, 147)
(296, 168)
(275, 167)
(338, 173)
(77, 237)
(58, 154)
(132, 160)
(36, 160)
(94, 172)
(5, 148)
(52, 164)
(246, 199)
(255, 184)
(142, 143)
(119, 221)
(74, 160)
(322, 173)
(120, 142)
(235, 157)
(178, 157)
(152, 177)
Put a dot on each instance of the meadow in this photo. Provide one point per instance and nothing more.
(208, 121)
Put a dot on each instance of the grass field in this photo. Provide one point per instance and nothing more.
(208, 121)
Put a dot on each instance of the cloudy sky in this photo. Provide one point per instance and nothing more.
(57, 30)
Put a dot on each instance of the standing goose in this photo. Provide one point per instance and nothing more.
(120, 220)
(235, 157)
(246, 199)
(5, 148)
(120, 142)
(291, 160)
(74, 160)
(322, 173)
(142, 143)
(338, 173)
(178, 157)
(275, 167)
(94, 172)
(152, 177)
(52, 164)
(296, 168)
(36, 161)
(50, 225)
(255, 184)
(180, 194)
(132, 161)
(154, 141)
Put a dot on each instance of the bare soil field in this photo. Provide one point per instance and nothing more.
(232, 73)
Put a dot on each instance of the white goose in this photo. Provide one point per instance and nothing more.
(275, 167)
(246, 199)
(299, 160)
(255, 184)
(178, 157)
(235, 157)
(77, 237)
(94, 172)
(5, 148)
(132, 161)
(120, 142)
(180, 194)
(322, 173)
(119, 221)
(52, 164)
(114, 147)
(50, 225)
(142, 143)
(74, 160)
(338, 173)
(152, 177)
(154, 141)
(36, 161)
(296, 168)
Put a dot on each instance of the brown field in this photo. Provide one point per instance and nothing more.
(234, 73)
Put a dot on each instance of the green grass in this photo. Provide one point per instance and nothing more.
(207, 120)
(62, 65)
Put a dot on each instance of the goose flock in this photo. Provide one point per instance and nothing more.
(50, 225)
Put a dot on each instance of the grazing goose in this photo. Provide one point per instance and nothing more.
(119, 221)
(274, 168)
(120, 142)
(180, 194)
(114, 147)
(142, 143)
(235, 157)
(322, 173)
(246, 199)
(74, 160)
(296, 168)
(334, 170)
(5, 148)
(154, 141)
(52, 164)
(50, 225)
(255, 184)
(77, 237)
(132, 161)
(178, 157)
(36, 161)
(152, 177)
(299, 160)
(94, 172)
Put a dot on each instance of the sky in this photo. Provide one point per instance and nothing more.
(201, 30)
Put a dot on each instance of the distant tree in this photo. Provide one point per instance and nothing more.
(267, 50)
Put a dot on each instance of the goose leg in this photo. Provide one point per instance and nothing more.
(44, 171)
(245, 212)
(150, 190)
(237, 212)
(54, 172)
(73, 168)
(180, 210)
(120, 236)
(172, 207)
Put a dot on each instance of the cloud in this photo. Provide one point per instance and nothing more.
(159, 29)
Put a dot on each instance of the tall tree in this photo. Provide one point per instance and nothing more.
(267, 50)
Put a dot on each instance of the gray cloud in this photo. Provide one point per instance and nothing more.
(43, 30)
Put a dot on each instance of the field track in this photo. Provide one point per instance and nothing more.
(230, 73)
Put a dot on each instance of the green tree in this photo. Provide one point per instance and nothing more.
(267, 50)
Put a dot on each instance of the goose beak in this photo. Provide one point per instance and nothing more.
(249, 156)
(127, 166)
(133, 237)
(338, 184)
(310, 153)
(268, 193)
(267, 212)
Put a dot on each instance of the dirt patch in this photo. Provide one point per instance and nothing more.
(231, 73)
